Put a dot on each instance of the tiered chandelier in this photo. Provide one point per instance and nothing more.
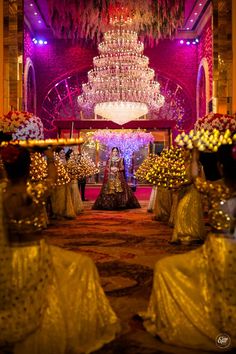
(121, 87)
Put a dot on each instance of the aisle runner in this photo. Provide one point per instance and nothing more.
(125, 246)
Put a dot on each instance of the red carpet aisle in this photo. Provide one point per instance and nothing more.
(125, 246)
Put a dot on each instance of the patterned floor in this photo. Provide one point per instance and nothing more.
(125, 246)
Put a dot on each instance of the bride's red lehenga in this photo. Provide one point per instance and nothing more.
(115, 193)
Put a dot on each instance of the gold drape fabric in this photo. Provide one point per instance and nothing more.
(51, 300)
(162, 206)
(76, 197)
(193, 298)
(78, 316)
(61, 200)
(189, 223)
(152, 199)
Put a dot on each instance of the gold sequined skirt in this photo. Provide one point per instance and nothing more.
(193, 297)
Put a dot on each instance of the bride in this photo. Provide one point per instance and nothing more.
(115, 193)
(51, 300)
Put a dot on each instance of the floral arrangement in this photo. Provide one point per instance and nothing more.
(23, 125)
(169, 170)
(89, 19)
(221, 122)
(127, 141)
(144, 168)
(11, 121)
(204, 140)
(209, 133)
(30, 129)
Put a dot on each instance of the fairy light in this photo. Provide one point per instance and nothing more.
(168, 171)
(144, 168)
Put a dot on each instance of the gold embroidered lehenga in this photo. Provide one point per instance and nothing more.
(193, 296)
(115, 193)
(162, 204)
(61, 196)
(51, 300)
(188, 223)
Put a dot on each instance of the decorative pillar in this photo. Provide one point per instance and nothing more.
(1, 58)
(222, 56)
(12, 56)
(234, 56)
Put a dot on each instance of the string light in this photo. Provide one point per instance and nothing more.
(168, 171)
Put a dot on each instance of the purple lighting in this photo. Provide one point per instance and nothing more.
(189, 42)
(39, 41)
(39, 21)
(35, 13)
(31, 4)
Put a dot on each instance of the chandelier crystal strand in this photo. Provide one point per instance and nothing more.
(121, 87)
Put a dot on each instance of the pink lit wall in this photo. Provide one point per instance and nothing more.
(205, 50)
(178, 63)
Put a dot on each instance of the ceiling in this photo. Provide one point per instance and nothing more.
(38, 17)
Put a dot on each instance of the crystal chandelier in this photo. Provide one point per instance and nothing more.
(121, 87)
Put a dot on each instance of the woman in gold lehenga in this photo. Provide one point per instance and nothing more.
(193, 297)
(115, 193)
(51, 300)
(188, 223)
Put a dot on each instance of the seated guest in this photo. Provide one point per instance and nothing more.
(51, 300)
(193, 296)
